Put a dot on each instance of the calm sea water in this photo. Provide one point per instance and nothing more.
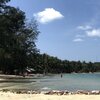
(71, 82)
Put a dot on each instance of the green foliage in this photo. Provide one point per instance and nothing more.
(4, 1)
(51, 64)
(17, 39)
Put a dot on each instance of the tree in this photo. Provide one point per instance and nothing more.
(17, 39)
(4, 1)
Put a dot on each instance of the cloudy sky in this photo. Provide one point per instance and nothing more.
(70, 29)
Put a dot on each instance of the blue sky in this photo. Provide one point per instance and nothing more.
(70, 29)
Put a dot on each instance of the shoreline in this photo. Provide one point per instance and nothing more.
(52, 92)
(3, 77)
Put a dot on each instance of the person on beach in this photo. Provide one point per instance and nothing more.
(61, 75)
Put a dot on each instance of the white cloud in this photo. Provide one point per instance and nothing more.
(89, 31)
(87, 27)
(48, 15)
(93, 33)
(78, 40)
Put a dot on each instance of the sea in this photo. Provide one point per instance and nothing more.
(70, 82)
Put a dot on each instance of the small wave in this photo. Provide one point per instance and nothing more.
(46, 88)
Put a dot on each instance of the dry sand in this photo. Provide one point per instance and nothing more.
(13, 96)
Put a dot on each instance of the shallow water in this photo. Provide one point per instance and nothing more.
(71, 82)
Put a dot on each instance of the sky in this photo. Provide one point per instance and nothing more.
(70, 29)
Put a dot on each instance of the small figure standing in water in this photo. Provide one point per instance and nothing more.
(61, 75)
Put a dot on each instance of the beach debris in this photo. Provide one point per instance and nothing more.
(5, 90)
(66, 92)
(96, 92)
(53, 92)
(57, 92)
(83, 92)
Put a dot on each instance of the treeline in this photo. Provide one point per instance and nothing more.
(51, 64)
(18, 49)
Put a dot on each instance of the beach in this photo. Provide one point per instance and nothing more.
(14, 96)
(22, 88)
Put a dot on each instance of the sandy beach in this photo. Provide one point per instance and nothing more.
(13, 96)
